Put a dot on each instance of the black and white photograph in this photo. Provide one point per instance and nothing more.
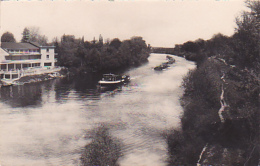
(130, 82)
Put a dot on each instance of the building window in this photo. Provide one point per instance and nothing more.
(7, 76)
(47, 50)
(14, 76)
(47, 56)
(47, 64)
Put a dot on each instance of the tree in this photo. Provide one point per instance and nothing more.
(32, 34)
(8, 37)
(116, 43)
(26, 35)
(217, 82)
(191, 47)
(92, 59)
(80, 53)
(247, 37)
(100, 39)
(67, 50)
(42, 40)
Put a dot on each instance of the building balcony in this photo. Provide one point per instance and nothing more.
(24, 53)
(4, 71)
(21, 61)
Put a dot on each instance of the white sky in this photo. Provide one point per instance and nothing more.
(159, 22)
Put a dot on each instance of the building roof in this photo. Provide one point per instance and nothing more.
(11, 45)
(3, 53)
(38, 45)
(35, 44)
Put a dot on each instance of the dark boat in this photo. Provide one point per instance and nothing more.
(170, 59)
(161, 67)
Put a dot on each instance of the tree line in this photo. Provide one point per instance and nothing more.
(81, 56)
(31, 34)
(92, 56)
(220, 123)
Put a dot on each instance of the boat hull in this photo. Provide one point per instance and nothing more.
(112, 80)
(107, 83)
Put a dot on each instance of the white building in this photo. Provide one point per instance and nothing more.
(47, 55)
(21, 59)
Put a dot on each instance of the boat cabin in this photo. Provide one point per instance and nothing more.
(111, 77)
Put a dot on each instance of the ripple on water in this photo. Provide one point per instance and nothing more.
(54, 128)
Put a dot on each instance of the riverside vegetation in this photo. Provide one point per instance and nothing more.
(220, 123)
(81, 56)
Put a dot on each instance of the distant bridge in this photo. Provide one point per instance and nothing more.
(163, 50)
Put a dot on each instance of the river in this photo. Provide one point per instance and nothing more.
(47, 123)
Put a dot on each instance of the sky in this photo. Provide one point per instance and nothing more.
(161, 23)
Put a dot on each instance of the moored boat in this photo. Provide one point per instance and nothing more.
(170, 59)
(6, 82)
(163, 66)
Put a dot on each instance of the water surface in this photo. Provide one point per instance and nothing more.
(48, 123)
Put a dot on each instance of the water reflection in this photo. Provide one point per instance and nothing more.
(103, 149)
(37, 94)
(47, 123)
(22, 96)
(32, 94)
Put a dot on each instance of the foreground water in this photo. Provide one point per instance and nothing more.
(48, 123)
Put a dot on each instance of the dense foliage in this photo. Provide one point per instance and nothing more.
(81, 56)
(93, 56)
(220, 123)
(32, 34)
(7, 37)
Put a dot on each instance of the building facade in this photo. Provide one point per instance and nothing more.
(20, 59)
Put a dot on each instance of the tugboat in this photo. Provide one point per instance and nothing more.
(113, 79)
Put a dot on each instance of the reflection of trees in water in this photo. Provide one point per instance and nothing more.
(22, 96)
(85, 87)
(31, 94)
(103, 149)
(26, 95)
(62, 89)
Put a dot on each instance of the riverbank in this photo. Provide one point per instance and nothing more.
(38, 78)
(220, 123)
(221, 120)
(35, 78)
